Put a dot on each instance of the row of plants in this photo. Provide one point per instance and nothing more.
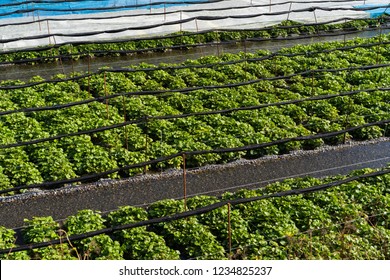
(151, 138)
(182, 39)
(349, 221)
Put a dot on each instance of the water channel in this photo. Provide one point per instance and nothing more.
(48, 70)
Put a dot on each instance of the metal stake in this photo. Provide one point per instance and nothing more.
(289, 10)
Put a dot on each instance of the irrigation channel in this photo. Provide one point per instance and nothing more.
(106, 195)
(48, 70)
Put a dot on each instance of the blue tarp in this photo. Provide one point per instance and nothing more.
(23, 8)
(374, 13)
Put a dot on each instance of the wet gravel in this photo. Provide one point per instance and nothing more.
(106, 195)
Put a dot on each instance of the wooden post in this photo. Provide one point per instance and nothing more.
(71, 60)
(312, 82)
(89, 74)
(33, 12)
(386, 126)
(315, 19)
(246, 61)
(165, 12)
(196, 24)
(199, 40)
(39, 21)
(229, 231)
(380, 43)
(48, 31)
(218, 44)
(105, 93)
(62, 65)
(184, 182)
(181, 18)
(146, 142)
(311, 243)
(346, 124)
(289, 11)
(275, 66)
(124, 120)
(161, 153)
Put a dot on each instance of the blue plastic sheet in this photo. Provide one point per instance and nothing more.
(25, 8)
(374, 13)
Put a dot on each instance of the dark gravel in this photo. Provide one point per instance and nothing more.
(107, 195)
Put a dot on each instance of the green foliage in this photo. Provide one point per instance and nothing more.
(349, 222)
(188, 236)
(52, 162)
(87, 157)
(84, 221)
(152, 136)
(4, 180)
(139, 243)
(226, 227)
(184, 40)
(7, 240)
(192, 239)
(43, 229)
(98, 247)
(17, 167)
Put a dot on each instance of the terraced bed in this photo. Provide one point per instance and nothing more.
(119, 123)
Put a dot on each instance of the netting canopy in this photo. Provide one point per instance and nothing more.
(36, 23)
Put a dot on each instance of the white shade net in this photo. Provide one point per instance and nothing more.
(36, 27)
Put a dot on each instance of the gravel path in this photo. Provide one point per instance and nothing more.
(142, 190)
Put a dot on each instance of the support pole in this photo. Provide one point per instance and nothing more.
(380, 43)
(39, 21)
(89, 74)
(165, 12)
(124, 119)
(106, 94)
(315, 18)
(218, 44)
(146, 142)
(181, 18)
(229, 231)
(48, 31)
(184, 183)
(289, 11)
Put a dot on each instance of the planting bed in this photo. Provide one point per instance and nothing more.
(340, 217)
(135, 135)
(216, 109)
(142, 190)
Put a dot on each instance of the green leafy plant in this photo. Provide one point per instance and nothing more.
(8, 240)
(98, 247)
(139, 243)
(42, 229)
